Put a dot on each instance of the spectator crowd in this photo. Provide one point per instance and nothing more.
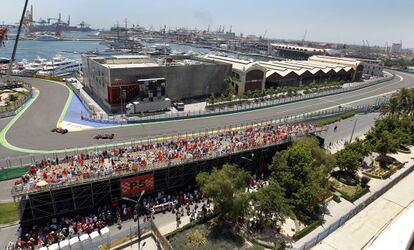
(58, 229)
(126, 160)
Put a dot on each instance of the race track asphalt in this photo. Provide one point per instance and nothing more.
(32, 129)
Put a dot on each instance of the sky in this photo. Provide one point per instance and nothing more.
(350, 21)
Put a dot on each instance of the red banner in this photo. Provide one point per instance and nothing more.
(135, 185)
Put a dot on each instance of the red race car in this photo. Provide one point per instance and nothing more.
(59, 130)
(104, 136)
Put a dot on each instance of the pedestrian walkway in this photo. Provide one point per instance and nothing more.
(340, 211)
(359, 231)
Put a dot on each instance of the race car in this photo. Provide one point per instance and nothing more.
(104, 136)
(59, 130)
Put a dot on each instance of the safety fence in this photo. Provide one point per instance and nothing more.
(235, 108)
(363, 204)
(16, 106)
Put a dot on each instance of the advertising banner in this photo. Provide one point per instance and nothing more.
(135, 185)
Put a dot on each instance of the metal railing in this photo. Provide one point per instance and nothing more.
(164, 243)
(235, 108)
(338, 223)
(176, 162)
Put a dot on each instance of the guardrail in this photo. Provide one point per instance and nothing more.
(176, 162)
(19, 104)
(237, 108)
(338, 223)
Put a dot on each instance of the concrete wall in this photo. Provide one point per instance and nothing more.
(184, 82)
(96, 79)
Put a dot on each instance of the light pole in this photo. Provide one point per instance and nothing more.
(137, 208)
(353, 130)
(13, 57)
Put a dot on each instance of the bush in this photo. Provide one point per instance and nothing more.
(364, 181)
(302, 233)
(196, 238)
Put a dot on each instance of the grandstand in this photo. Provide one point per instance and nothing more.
(80, 183)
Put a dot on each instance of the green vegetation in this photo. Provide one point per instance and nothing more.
(400, 63)
(209, 235)
(383, 172)
(226, 187)
(50, 78)
(302, 233)
(349, 192)
(13, 101)
(349, 159)
(302, 172)
(8, 212)
(301, 178)
(390, 134)
(281, 92)
(333, 119)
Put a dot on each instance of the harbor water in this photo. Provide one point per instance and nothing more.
(31, 49)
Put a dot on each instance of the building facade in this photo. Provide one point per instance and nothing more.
(251, 76)
(115, 80)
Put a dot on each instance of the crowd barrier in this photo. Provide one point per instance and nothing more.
(100, 239)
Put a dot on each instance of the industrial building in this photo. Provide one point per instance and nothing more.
(114, 80)
(250, 76)
(297, 52)
(372, 67)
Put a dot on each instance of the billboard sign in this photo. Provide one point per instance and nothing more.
(135, 185)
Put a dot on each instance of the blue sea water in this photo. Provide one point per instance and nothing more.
(29, 49)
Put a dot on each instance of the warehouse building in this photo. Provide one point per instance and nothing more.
(250, 76)
(114, 80)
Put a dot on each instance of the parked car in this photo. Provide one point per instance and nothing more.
(179, 106)
(104, 136)
(59, 130)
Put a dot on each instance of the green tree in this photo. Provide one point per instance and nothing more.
(270, 202)
(387, 143)
(348, 161)
(302, 171)
(225, 187)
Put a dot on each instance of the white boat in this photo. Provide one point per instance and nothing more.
(33, 67)
(47, 37)
(60, 66)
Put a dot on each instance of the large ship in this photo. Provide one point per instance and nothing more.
(60, 66)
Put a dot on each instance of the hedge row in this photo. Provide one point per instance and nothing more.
(300, 234)
(190, 225)
(334, 119)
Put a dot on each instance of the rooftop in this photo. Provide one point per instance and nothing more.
(283, 68)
